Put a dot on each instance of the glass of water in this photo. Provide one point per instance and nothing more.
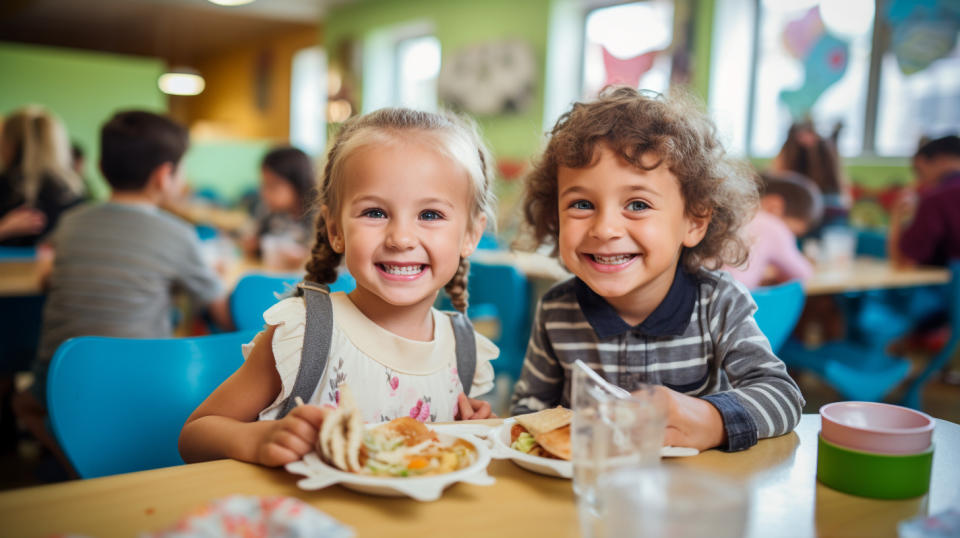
(611, 430)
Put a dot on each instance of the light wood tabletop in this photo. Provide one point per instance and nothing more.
(872, 273)
(19, 278)
(786, 498)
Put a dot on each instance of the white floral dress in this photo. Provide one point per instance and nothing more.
(390, 376)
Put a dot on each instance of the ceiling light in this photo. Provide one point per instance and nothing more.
(231, 2)
(181, 81)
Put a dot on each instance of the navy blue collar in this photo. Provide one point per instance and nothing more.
(670, 318)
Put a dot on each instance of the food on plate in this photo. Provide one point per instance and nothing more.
(544, 433)
(402, 447)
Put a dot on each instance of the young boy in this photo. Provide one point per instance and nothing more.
(932, 237)
(116, 263)
(638, 198)
(789, 206)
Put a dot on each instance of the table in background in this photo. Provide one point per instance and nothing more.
(872, 274)
(786, 499)
(19, 278)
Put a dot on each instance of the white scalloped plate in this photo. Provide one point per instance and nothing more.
(422, 488)
(550, 466)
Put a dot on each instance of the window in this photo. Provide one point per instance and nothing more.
(418, 65)
(400, 67)
(308, 100)
(628, 44)
(827, 61)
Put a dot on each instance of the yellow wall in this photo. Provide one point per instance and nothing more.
(228, 108)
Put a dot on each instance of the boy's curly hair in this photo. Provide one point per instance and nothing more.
(632, 124)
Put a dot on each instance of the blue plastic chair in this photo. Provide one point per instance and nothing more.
(778, 309)
(255, 293)
(117, 404)
(871, 243)
(501, 293)
(915, 390)
(17, 253)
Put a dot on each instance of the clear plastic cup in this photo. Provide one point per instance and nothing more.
(671, 501)
(838, 248)
(611, 430)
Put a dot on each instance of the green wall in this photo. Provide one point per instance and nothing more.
(83, 88)
(458, 23)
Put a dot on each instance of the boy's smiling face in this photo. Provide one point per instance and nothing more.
(622, 230)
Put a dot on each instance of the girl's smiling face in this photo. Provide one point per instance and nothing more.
(404, 223)
(622, 230)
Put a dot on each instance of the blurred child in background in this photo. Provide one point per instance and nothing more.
(790, 205)
(37, 183)
(284, 227)
(807, 153)
(117, 264)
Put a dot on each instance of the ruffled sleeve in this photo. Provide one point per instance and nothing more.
(289, 315)
(483, 377)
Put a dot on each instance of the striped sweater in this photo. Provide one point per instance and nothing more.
(702, 340)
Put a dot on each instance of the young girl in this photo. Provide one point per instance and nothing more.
(637, 196)
(404, 200)
(287, 189)
(36, 182)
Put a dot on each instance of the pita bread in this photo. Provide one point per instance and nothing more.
(556, 442)
(545, 421)
(341, 434)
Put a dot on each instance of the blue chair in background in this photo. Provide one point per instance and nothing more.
(117, 404)
(255, 293)
(502, 294)
(778, 309)
(940, 360)
(17, 253)
(871, 243)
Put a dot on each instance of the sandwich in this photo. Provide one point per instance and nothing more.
(544, 433)
(400, 448)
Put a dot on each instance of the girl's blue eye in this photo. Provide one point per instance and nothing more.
(637, 205)
(375, 213)
(581, 204)
(430, 214)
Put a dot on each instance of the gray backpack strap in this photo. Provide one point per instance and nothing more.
(317, 335)
(466, 346)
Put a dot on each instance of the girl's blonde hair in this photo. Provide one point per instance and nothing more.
(633, 124)
(35, 143)
(455, 137)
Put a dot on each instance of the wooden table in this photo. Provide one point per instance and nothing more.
(873, 273)
(19, 278)
(787, 500)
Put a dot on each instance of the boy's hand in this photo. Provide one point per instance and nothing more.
(292, 437)
(692, 422)
(472, 409)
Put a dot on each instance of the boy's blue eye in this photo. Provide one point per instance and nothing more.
(430, 214)
(375, 213)
(581, 204)
(637, 205)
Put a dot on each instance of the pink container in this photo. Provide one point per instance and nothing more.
(876, 427)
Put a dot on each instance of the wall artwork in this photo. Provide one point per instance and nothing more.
(923, 31)
(824, 58)
(490, 78)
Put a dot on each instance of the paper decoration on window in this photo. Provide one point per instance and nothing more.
(923, 31)
(627, 70)
(490, 78)
(824, 58)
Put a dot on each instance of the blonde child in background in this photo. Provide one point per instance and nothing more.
(789, 206)
(640, 201)
(405, 198)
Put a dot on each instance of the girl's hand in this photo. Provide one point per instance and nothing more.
(472, 409)
(692, 422)
(291, 437)
(22, 221)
